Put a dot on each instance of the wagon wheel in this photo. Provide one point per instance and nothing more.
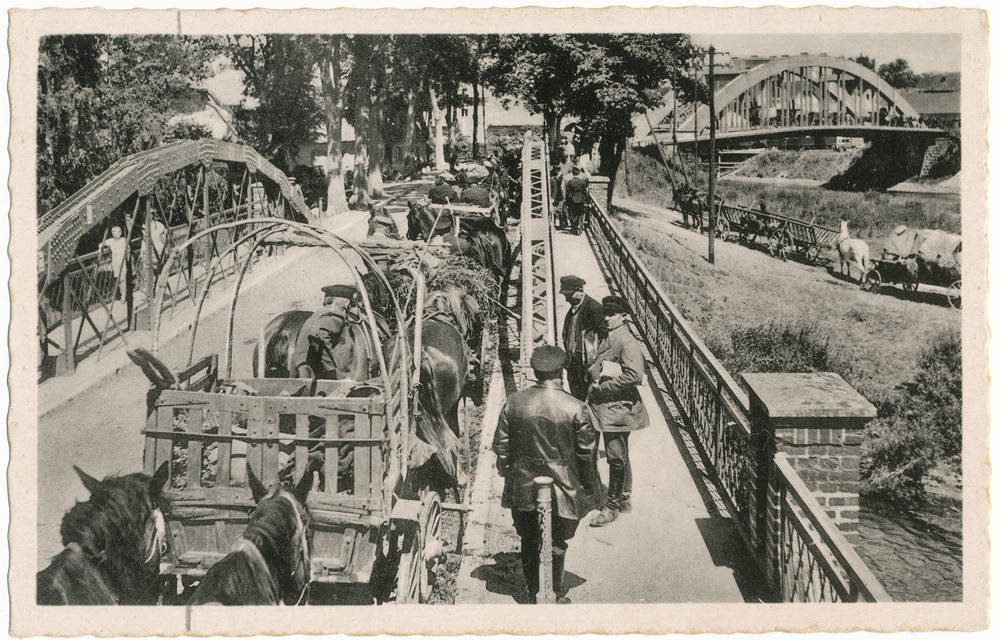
(873, 282)
(909, 287)
(785, 245)
(812, 253)
(955, 294)
(774, 244)
(420, 552)
(722, 229)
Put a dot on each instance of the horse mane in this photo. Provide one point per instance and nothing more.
(433, 426)
(110, 529)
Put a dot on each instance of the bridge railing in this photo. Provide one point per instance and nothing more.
(802, 553)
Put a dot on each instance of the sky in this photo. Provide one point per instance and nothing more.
(926, 52)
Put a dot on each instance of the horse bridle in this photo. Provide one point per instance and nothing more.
(303, 559)
(156, 537)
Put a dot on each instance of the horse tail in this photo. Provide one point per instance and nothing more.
(434, 428)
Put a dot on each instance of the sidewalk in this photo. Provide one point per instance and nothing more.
(673, 547)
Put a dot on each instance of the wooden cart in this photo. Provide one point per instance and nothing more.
(212, 427)
(784, 236)
(912, 271)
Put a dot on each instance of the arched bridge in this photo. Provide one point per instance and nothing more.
(800, 95)
(89, 284)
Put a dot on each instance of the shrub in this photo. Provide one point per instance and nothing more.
(778, 348)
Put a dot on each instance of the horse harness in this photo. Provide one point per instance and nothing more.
(249, 549)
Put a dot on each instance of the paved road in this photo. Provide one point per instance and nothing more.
(675, 546)
(94, 418)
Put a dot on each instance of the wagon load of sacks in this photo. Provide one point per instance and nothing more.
(930, 255)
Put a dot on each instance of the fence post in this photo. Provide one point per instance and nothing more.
(543, 484)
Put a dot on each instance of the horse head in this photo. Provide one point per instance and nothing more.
(281, 529)
(122, 531)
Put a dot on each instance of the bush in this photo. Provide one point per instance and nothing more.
(919, 426)
(778, 348)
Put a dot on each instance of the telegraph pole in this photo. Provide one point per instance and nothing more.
(711, 155)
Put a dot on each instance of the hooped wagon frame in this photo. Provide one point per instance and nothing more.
(908, 272)
(211, 426)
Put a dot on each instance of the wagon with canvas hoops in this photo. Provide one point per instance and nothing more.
(371, 525)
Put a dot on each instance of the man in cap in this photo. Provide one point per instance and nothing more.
(442, 193)
(576, 198)
(544, 431)
(614, 401)
(321, 333)
(584, 321)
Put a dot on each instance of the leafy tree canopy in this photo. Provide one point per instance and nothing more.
(899, 74)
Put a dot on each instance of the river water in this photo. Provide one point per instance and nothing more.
(917, 557)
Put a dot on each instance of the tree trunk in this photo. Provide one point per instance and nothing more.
(551, 128)
(475, 120)
(362, 110)
(611, 149)
(409, 162)
(376, 138)
(333, 110)
(438, 131)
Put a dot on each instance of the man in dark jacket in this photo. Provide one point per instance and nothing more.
(442, 193)
(581, 328)
(614, 400)
(576, 198)
(544, 431)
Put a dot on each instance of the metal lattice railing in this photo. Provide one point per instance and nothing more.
(799, 548)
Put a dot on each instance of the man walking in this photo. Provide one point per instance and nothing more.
(544, 431)
(576, 198)
(584, 321)
(616, 405)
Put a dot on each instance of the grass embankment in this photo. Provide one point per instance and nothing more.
(807, 164)
(870, 215)
(759, 314)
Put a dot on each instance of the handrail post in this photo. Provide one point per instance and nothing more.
(543, 499)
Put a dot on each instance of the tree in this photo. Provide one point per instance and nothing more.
(618, 76)
(101, 98)
(536, 70)
(865, 61)
(278, 73)
(333, 81)
(898, 74)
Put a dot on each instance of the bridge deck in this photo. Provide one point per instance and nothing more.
(675, 546)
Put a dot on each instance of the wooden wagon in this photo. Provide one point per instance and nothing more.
(784, 236)
(211, 427)
(919, 256)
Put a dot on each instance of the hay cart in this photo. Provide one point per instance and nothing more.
(212, 427)
(919, 256)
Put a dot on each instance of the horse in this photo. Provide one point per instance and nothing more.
(113, 544)
(381, 223)
(444, 367)
(293, 349)
(853, 251)
(686, 199)
(480, 238)
(271, 563)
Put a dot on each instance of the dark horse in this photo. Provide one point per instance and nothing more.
(286, 344)
(271, 562)
(479, 237)
(113, 544)
(444, 368)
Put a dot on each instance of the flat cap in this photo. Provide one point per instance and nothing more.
(613, 305)
(340, 290)
(571, 283)
(547, 359)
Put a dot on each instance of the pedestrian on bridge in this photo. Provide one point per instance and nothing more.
(576, 198)
(544, 431)
(581, 333)
(617, 407)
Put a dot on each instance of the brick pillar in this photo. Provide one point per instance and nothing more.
(816, 419)
(598, 189)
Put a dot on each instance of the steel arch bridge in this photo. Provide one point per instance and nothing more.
(801, 95)
(158, 198)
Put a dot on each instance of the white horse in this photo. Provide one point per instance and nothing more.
(852, 251)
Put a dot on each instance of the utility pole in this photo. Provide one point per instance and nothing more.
(711, 156)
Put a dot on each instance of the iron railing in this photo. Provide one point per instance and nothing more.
(802, 552)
